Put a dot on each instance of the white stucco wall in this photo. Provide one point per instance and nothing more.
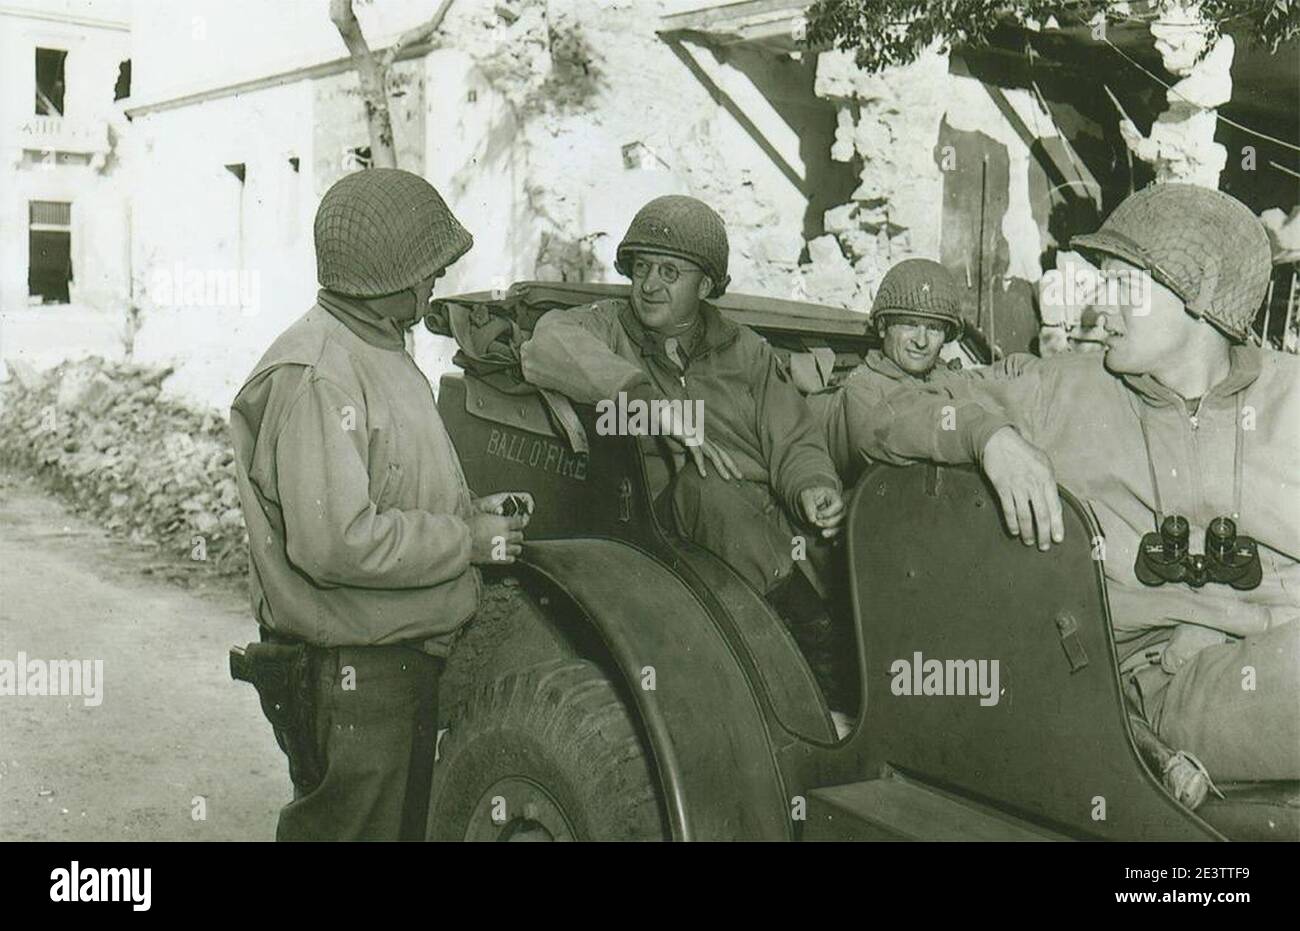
(197, 224)
(516, 161)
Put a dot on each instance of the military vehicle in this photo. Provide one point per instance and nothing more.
(623, 683)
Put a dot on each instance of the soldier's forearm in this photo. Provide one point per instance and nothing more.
(914, 425)
(577, 364)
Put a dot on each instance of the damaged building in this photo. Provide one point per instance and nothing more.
(64, 202)
(547, 123)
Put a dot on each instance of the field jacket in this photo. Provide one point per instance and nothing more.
(751, 406)
(880, 412)
(352, 491)
(1090, 423)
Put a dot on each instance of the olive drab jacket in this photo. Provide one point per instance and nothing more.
(352, 491)
(1090, 423)
(751, 407)
(879, 396)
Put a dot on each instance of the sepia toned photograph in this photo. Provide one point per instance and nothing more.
(650, 420)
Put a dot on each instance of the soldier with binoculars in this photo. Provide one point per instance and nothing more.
(1182, 432)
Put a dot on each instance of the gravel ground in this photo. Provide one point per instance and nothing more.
(171, 727)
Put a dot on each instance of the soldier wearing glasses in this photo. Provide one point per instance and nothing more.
(762, 469)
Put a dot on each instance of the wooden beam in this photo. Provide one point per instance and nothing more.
(710, 18)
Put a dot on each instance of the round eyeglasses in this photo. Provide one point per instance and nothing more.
(668, 272)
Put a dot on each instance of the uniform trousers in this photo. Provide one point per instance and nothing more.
(376, 729)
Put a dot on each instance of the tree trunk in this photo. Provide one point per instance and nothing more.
(372, 71)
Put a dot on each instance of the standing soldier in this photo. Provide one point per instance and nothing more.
(362, 532)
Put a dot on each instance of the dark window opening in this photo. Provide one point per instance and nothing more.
(122, 89)
(49, 81)
(49, 240)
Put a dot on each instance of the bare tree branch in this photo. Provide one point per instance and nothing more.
(417, 34)
(372, 70)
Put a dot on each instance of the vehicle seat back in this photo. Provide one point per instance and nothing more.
(936, 577)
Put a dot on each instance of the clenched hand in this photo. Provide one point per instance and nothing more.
(493, 504)
(823, 508)
(496, 540)
(1023, 478)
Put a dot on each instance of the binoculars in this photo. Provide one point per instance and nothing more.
(1228, 559)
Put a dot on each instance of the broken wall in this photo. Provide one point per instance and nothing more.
(601, 115)
(545, 123)
(948, 169)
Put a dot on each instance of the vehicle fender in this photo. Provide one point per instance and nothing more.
(703, 723)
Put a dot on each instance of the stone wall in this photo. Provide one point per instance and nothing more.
(936, 152)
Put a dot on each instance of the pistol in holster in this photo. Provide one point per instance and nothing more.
(285, 678)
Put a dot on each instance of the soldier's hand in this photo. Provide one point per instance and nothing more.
(1022, 476)
(706, 450)
(823, 508)
(496, 540)
(493, 504)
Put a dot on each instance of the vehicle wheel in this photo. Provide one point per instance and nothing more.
(546, 753)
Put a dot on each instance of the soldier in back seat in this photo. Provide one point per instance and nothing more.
(916, 312)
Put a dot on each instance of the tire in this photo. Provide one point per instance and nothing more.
(546, 753)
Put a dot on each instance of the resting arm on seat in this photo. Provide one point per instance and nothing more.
(574, 352)
(932, 423)
(915, 422)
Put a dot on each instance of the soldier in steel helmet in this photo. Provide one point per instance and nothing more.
(915, 313)
(760, 467)
(363, 535)
(1183, 438)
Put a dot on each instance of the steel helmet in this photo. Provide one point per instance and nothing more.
(683, 227)
(920, 288)
(383, 230)
(1205, 246)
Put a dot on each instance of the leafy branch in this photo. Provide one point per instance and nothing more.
(886, 33)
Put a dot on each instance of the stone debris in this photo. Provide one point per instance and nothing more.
(887, 121)
(152, 470)
(26, 374)
(1181, 146)
(1283, 233)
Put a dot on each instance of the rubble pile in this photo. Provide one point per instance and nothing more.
(146, 468)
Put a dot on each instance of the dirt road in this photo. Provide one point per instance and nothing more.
(172, 728)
